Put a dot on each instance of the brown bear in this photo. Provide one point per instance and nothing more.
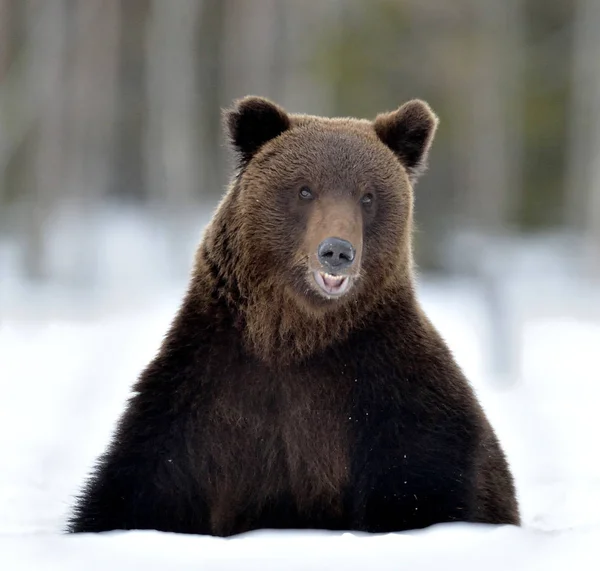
(301, 385)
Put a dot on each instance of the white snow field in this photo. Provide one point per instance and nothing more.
(66, 368)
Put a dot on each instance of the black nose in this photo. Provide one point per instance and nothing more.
(335, 253)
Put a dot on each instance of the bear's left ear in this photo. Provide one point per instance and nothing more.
(409, 132)
(252, 122)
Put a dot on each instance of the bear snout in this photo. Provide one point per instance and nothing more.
(336, 254)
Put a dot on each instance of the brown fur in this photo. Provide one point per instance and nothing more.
(331, 217)
(301, 328)
(272, 405)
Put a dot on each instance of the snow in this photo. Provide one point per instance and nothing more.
(441, 547)
(66, 367)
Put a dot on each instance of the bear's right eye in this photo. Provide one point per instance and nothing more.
(305, 193)
(367, 199)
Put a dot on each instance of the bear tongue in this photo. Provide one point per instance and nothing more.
(332, 281)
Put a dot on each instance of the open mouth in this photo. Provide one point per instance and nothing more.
(331, 285)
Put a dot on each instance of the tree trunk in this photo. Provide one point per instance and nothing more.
(171, 150)
(583, 172)
(494, 152)
(5, 28)
(90, 102)
(173, 161)
(45, 78)
(493, 161)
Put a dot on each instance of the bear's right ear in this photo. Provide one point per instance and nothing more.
(252, 122)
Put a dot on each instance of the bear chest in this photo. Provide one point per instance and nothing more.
(279, 432)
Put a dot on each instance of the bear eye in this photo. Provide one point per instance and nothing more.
(367, 199)
(305, 193)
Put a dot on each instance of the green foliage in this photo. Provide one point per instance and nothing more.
(385, 51)
(361, 58)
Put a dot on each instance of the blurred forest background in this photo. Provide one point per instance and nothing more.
(112, 160)
(112, 155)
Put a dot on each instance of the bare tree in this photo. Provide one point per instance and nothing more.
(172, 160)
(583, 171)
(248, 55)
(91, 97)
(5, 21)
(45, 76)
(493, 161)
(173, 164)
(493, 156)
(298, 86)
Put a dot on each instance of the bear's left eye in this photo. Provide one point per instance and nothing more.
(367, 199)
(306, 193)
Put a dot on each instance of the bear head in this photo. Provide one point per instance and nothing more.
(319, 214)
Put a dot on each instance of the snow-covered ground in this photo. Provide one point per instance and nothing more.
(66, 367)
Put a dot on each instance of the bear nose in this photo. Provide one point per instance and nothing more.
(336, 254)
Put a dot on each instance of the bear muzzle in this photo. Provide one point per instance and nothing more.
(332, 286)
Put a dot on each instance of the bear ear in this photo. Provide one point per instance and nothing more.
(409, 132)
(252, 122)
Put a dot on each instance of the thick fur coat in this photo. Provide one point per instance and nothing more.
(277, 402)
